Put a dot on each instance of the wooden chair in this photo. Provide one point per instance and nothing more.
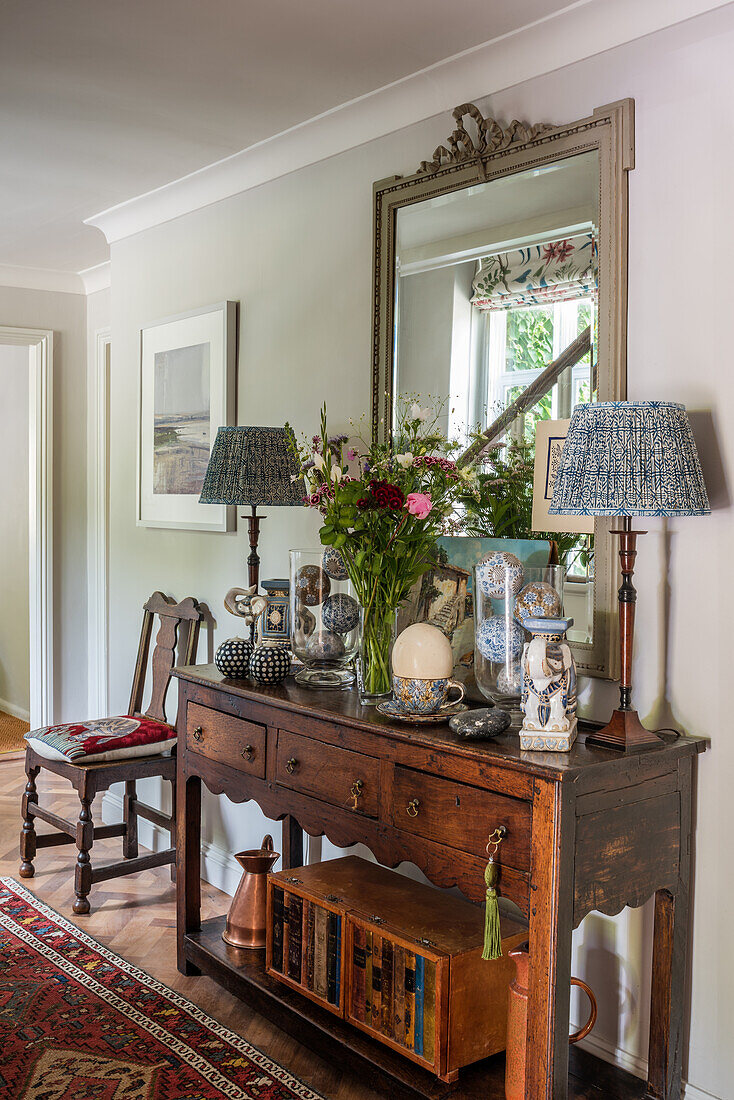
(89, 778)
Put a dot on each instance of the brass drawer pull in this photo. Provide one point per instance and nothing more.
(291, 765)
(412, 808)
(356, 792)
(198, 734)
(247, 752)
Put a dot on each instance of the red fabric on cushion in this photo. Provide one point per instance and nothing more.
(101, 735)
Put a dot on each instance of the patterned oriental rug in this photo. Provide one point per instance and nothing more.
(79, 1023)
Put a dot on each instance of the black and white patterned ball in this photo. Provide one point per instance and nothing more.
(325, 646)
(270, 664)
(340, 613)
(233, 657)
(312, 585)
(333, 564)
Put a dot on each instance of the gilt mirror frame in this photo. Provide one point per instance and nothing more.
(492, 152)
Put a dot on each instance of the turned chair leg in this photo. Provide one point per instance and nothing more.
(28, 832)
(84, 841)
(130, 819)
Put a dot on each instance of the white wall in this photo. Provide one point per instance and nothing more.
(14, 622)
(297, 254)
(65, 314)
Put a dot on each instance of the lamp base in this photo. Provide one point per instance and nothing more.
(624, 732)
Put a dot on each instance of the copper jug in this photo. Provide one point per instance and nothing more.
(246, 920)
(517, 1024)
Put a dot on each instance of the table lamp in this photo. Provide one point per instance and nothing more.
(629, 458)
(253, 467)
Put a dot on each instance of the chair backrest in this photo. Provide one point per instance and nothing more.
(171, 615)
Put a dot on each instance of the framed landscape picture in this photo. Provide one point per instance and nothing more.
(187, 391)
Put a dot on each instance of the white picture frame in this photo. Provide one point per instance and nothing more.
(186, 392)
(550, 435)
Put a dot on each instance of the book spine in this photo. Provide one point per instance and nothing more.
(368, 979)
(376, 981)
(286, 930)
(304, 944)
(429, 1012)
(295, 925)
(409, 1000)
(277, 929)
(359, 963)
(399, 985)
(419, 979)
(331, 958)
(319, 963)
(309, 952)
(338, 961)
(386, 1025)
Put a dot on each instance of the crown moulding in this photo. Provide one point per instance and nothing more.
(582, 29)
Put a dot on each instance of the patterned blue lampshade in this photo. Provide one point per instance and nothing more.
(252, 466)
(629, 458)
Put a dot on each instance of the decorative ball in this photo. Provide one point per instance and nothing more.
(422, 651)
(233, 657)
(537, 600)
(477, 725)
(509, 681)
(340, 613)
(500, 575)
(498, 639)
(333, 564)
(305, 620)
(312, 585)
(270, 664)
(325, 646)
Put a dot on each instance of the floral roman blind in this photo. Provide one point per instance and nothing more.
(543, 273)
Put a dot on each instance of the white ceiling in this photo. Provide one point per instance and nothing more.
(103, 100)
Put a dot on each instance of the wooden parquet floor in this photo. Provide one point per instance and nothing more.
(136, 917)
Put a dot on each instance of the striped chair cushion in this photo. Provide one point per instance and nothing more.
(102, 739)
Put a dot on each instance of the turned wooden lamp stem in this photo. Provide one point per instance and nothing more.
(253, 559)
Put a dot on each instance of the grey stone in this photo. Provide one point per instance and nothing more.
(478, 725)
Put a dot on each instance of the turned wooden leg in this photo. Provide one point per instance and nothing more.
(292, 847)
(188, 865)
(84, 841)
(28, 832)
(173, 825)
(130, 820)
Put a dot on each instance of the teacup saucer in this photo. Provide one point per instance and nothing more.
(391, 709)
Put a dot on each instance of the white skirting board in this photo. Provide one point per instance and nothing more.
(220, 869)
(16, 712)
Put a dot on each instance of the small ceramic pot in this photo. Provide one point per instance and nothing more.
(419, 696)
(270, 664)
(233, 657)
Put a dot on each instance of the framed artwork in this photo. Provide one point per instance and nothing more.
(550, 435)
(187, 391)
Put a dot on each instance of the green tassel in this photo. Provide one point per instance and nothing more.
(492, 933)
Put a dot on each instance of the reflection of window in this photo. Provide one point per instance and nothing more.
(520, 344)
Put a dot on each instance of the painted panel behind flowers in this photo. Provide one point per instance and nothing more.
(181, 413)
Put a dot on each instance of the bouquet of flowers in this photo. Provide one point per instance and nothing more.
(383, 506)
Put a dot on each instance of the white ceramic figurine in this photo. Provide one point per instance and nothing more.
(548, 687)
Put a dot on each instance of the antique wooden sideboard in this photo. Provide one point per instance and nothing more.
(590, 830)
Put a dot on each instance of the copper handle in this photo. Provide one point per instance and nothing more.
(198, 734)
(584, 1031)
(291, 765)
(412, 808)
(247, 752)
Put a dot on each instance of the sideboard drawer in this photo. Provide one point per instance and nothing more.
(328, 773)
(461, 816)
(226, 739)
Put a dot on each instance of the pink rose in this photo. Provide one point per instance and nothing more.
(419, 504)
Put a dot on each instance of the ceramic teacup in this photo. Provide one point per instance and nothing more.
(419, 696)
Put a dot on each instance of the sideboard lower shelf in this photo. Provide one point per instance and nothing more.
(243, 973)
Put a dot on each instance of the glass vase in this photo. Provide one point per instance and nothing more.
(505, 594)
(325, 618)
(374, 664)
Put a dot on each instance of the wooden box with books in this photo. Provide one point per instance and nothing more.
(406, 959)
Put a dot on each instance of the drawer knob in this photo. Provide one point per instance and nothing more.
(247, 752)
(198, 734)
(291, 765)
(412, 808)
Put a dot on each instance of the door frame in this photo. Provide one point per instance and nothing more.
(40, 344)
(98, 378)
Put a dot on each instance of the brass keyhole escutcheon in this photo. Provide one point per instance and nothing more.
(291, 765)
(412, 808)
(356, 792)
(247, 752)
(198, 734)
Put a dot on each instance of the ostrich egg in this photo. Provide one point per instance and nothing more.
(422, 651)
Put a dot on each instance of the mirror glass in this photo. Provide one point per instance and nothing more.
(492, 283)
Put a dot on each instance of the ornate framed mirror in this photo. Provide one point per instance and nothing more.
(465, 308)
